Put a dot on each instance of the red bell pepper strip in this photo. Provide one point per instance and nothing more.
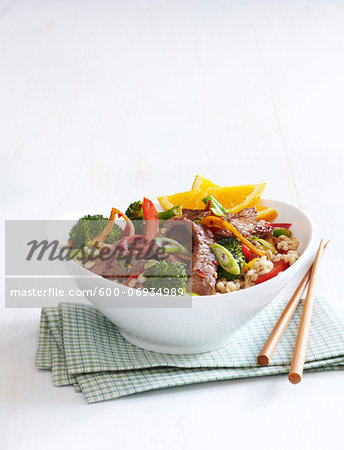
(208, 206)
(248, 254)
(279, 225)
(246, 251)
(279, 266)
(151, 219)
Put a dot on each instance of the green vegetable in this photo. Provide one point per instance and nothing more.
(215, 206)
(79, 254)
(123, 263)
(234, 246)
(135, 213)
(265, 245)
(166, 277)
(170, 245)
(74, 254)
(83, 253)
(88, 227)
(226, 259)
(176, 211)
(281, 231)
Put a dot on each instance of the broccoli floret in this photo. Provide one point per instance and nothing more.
(135, 213)
(88, 227)
(166, 277)
(234, 246)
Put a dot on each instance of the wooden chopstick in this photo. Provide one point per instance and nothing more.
(276, 334)
(298, 361)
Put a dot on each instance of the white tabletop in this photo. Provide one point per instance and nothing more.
(104, 101)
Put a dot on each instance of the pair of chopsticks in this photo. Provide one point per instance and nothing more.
(296, 368)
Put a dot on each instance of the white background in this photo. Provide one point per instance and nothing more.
(102, 102)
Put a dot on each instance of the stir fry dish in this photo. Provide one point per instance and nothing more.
(207, 241)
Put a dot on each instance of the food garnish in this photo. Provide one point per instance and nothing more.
(234, 246)
(233, 198)
(170, 245)
(202, 184)
(226, 259)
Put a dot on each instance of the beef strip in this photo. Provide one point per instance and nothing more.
(262, 229)
(179, 229)
(195, 214)
(244, 221)
(204, 264)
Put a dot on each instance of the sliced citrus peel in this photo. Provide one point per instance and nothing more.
(218, 222)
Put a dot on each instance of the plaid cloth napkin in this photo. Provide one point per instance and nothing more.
(84, 349)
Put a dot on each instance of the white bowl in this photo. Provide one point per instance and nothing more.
(212, 320)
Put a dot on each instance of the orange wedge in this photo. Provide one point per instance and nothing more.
(265, 213)
(233, 198)
(236, 198)
(202, 184)
(188, 199)
(165, 203)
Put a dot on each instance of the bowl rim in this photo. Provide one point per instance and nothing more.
(280, 280)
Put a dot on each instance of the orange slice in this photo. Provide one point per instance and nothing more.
(188, 199)
(233, 198)
(202, 184)
(236, 198)
(265, 213)
(165, 203)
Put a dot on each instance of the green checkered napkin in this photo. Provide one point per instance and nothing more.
(84, 349)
